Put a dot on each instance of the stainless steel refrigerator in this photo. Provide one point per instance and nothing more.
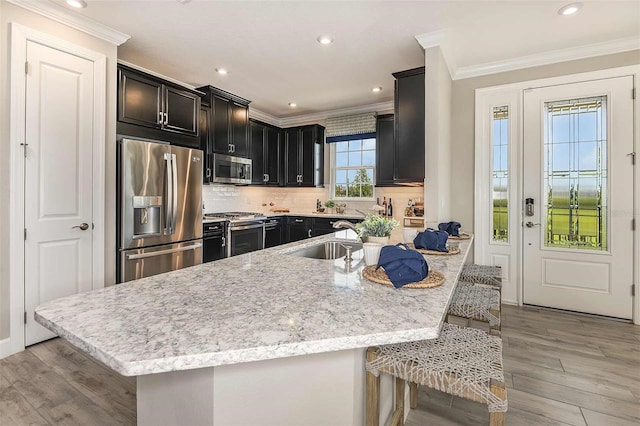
(159, 197)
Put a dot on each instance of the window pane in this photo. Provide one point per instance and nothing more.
(342, 159)
(351, 175)
(575, 174)
(341, 190)
(355, 145)
(368, 158)
(369, 144)
(341, 176)
(342, 146)
(500, 169)
(355, 158)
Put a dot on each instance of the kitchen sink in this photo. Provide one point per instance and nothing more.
(328, 250)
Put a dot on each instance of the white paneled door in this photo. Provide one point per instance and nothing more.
(578, 176)
(58, 179)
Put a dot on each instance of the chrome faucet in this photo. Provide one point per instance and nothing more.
(345, 224)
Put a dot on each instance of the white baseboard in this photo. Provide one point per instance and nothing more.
(509, 302)
(5, 348)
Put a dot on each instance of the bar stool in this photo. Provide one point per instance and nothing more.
(476, 302)
(486, 275)
(465, 362)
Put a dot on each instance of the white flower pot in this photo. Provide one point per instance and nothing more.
(380, 240)
(371, 253)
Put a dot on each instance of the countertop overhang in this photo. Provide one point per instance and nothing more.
(261, 305)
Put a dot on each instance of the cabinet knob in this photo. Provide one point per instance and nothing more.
(224, 241)
(309, 233)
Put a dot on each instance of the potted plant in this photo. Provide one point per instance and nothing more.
(376, 228)
(329, 204)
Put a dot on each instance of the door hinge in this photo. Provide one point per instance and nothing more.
(633, 158)
(633, 224)
(633, 93)
(633, 289)
(25, 234)
(25, 317)
(26, 67)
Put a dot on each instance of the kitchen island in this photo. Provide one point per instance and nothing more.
(262, 338)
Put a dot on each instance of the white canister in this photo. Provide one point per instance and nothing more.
(371, 253)
(409, 234)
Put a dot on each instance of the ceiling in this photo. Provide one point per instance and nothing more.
(273, 58)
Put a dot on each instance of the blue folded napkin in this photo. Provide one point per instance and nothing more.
(431, 239)
(450, 228)
(402, 265)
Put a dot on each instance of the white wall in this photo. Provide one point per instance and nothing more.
(10, 13)
(437, 138)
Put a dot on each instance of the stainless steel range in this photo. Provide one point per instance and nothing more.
(245, 232)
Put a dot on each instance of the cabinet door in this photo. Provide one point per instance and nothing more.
(139, 100)
(324, 225)
(220, 123)
(256, 153)
(409, 108)
(298, 228)
(205, 142)
(240, 129)
(385, 150)
(291, 157)
(272, 156)
(181, 109)
(307, 163)
(214, 248)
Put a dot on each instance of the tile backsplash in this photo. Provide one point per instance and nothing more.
(224, 198)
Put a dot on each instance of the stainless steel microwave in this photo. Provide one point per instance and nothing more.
(230, 169)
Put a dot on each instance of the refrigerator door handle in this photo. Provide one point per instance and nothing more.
(174, 184)
(168, 210)
(161, 252)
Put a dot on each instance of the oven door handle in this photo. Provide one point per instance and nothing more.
(244, 227)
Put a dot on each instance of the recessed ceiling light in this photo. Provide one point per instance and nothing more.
(377, 89)
(325, 39)
(293, 104)
(222, 71)
(78, 4)
(569, 9)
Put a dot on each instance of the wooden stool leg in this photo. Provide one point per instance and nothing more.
(398, 414)
(497, 418)
(413, 395)
(373, 392)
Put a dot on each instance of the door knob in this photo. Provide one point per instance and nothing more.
(82, 226)
(531, 224)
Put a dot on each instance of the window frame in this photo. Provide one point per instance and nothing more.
(333, 168)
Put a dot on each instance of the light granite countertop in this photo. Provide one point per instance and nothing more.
(261, 305)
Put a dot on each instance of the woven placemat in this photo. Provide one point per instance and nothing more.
(463, 236)
(452, 250)
(434, 279)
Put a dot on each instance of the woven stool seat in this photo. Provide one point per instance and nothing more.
(465, 362)
(482, 274)
(477, 303)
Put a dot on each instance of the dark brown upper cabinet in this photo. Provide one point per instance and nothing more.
(265, 154)
(154, 108)
(409, 127)
(304, 156)
(205, 141)
(229, 130)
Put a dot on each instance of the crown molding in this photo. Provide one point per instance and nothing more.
(546, 58)
(256, 114)
(60, 14)
(298, 120)
(432, 39)
(156, 74)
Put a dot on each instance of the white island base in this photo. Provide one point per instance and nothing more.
(320, 389)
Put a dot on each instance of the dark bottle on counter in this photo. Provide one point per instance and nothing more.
(384, 205)
(390, 209)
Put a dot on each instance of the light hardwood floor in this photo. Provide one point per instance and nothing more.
(560, 369)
